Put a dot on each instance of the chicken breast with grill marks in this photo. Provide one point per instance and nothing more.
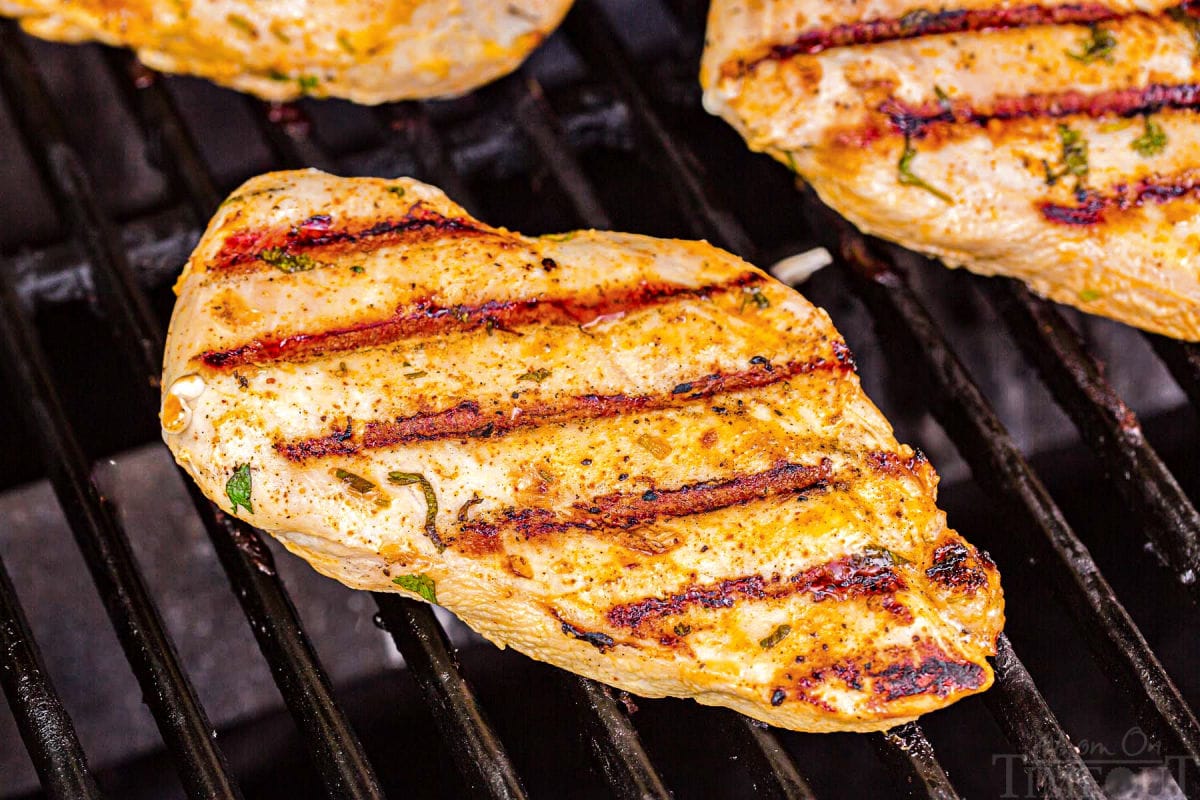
(641, 460)
(1056, 142)
(370, 51)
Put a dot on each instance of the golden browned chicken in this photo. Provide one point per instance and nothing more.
(642, 460)
(1052, 141)
(369, 51)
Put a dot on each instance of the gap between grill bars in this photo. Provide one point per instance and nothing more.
(1015, 701)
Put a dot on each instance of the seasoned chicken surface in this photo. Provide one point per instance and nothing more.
(642, 460)
(369, 51)
(1055, 142)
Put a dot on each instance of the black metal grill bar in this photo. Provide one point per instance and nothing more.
(910, 757)
(999, 466)
(478, 753)
(1183, 360)
(1050, 760)
(273, 619)
(1107, 424)
(775, 774)
(139, 627)
(45, 726)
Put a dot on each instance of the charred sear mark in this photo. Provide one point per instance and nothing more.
(859, 575)
(427, 318)
(923, 22)
(932, 675)
(954, 568)
(917, 120)
(1094, 208)
(620, 511)
(251, 250)
(468, 419)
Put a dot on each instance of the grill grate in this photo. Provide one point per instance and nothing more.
(1172, 523)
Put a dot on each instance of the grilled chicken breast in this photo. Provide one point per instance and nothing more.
(1054, 141)
(641, 460)
(370, 51)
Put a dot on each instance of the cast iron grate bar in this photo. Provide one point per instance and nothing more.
(999, 466)
(476, 749)
(338, 755)
(181, 720)
(478, 752)
(910, 757)
(45, 726)
(1052, 764)
(1107, 424)
(707, 220)
(537, 120)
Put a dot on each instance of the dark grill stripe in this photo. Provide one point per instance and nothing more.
(1094, 208)
(620, 512)
(467, 419)
(243, 251)
(931, 23)
(915, 121)
(851, 576)
(426, 318)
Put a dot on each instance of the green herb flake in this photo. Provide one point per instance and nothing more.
(418, 374)
(753, 294)
(1090, 295)
(276, 75)
(308, 82)
(357, 483)
(791, 162)
(344, 42)
(242, 24)
(358, 269)
(397, 190)
(422, 584)
(775, 637)
(467, 506)
(682, 629)
(1074, 158)
(1098, 46)
(1152, 141)
(238, 487)
(431, 504)
(943, 99)
(288, 262)
(907, 177)
(537, 375)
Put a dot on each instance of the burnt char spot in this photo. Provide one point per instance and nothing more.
(621, 511)
(600, 641)
(892, 464)
(778, 696)
(426, 318)
(931, 676)
(917, 120)
(930, 23)
(851, 576)
(1092, 208)
(242, 251)
(953, 568)
(466, 418)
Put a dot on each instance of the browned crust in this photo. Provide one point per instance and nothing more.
(859, 575)
(243, 251)
(620, 512)
(427, 318)
(923, 22)
(466, 419)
